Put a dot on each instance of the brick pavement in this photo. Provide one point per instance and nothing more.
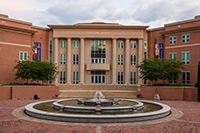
(185, 118)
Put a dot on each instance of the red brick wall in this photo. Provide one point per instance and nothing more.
(169, 93)
(28, 92)
(5, 93)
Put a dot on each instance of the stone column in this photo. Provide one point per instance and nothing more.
(56, 56)
(82, 65)
(114, 61)
(127, 62)
(140, 57)
(69, 61)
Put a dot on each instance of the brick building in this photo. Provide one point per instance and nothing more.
(98, 53)
(17, 39)
(181, 41)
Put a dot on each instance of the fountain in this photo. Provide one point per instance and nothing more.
(97, 109)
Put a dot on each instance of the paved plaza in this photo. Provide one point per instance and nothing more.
(185, 117)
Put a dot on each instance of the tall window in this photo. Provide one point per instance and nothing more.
(62, 59)
(50, 51)
(186, 58)
(98, 77)
(75, 59)
(120, 59)
(133, 44)
(172, 56)
(23, 56)
(172, 40)
(120, 77)
(76, 44)
(120, 44)
(133, 77)
(173, 80)
(75, 77)
(185, 38)
(133, 59)
(186, 78)
(62, 77)
(63, 43)
(98, 51)
(145, 49)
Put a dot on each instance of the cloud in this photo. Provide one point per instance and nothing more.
(137, 12)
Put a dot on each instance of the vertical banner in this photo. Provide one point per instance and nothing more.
(159, 51)
(36, 51)
(39, 51)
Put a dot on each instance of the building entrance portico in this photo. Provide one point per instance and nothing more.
(98, 48)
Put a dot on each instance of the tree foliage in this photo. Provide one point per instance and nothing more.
(154, 69)
(35, 70)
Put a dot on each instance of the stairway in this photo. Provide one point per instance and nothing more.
(109, 91)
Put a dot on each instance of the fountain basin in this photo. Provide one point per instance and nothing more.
(94, 118)
(98, 109)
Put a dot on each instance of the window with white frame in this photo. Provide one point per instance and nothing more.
(120, 77)
(172, 56)
(185, 38)
(120, 44)
(133, 59)
(133, 78)
(120, 59)
(173, 79)
(23, 56)
(172, 40)
(63, 43)
(62, 77)
(76, 44)
(98, 77)
(75, 77)
(50, 50)
(75, 59)
(186, 57)
(186, 77)
(133, 44)
(98, 51)
(62, 59)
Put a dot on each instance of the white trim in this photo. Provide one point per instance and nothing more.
(180, 46)
(14, 44)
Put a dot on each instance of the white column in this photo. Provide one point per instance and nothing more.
(69, 61)
(127, 62)
(56, 57)
(82, 65)
(140, 57)
(114, 61)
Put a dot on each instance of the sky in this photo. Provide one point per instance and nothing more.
(153, 13)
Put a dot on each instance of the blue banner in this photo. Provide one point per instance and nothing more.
(159, 51)
(39, 51)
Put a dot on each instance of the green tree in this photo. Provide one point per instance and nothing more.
(198, 82)
(154, 69)
(23, 70)
(35, 70)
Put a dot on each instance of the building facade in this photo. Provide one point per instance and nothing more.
(181, 42)
(18, 41)
(97, 53)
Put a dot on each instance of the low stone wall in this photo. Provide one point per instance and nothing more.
(168, 93)
(28, 92)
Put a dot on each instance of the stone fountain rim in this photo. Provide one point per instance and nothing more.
(92, 118)
(78, 107)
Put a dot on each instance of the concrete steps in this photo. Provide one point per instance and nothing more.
(109, 91)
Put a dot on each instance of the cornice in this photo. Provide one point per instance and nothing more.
(180, 30)
(14, 20)
(96, 27)
(6, 27)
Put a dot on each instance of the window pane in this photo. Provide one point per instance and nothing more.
(170, 56)
(25, 56)
(183, 57)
